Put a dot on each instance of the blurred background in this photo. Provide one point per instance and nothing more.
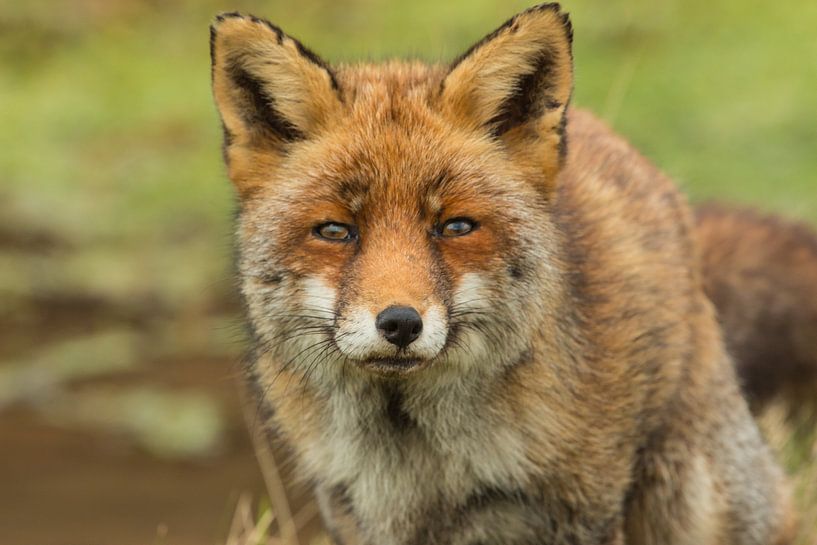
(120, 332)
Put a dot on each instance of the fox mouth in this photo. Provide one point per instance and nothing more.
(393, 364)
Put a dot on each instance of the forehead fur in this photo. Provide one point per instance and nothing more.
(389, 135)
(415, 82)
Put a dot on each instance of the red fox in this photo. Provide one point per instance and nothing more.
(479, 316)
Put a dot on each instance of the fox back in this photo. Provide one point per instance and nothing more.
(478, 314)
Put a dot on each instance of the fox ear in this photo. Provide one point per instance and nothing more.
(516, 84)
(269, 89)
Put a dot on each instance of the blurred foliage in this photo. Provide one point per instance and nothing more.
(793, 438)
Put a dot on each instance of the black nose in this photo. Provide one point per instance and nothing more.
(399, 325)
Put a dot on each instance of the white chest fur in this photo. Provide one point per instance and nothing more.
(396, 462)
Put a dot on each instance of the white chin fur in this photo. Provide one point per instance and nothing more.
(358, 338)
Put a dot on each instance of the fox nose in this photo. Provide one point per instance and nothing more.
(399, 325)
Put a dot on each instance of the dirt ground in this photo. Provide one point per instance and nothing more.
(74, 487)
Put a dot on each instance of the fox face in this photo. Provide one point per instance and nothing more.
(395, 220)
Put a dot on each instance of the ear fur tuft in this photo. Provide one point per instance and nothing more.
(269, 88)
(516, 83)
(548, 6)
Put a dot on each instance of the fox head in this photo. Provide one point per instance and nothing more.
(395, 218)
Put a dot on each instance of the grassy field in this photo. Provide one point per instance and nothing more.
(115, 212)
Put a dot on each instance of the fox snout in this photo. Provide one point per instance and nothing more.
(399, 337)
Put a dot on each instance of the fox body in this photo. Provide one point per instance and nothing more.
(478, 314)
(761, 273)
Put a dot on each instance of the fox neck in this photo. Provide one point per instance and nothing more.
(396, 449)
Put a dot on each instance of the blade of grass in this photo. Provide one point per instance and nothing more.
(276, 491)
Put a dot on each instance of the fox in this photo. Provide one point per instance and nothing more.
(481, 317)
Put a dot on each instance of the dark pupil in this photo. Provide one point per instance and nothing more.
(334, 231)
(457, 228)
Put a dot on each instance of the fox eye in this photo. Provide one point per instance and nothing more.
(336, 232)
(457, 227)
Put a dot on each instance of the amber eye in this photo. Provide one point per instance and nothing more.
(336, 232)
(457, 227)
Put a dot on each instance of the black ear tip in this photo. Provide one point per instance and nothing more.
(224, 15)
(568, 26)
(552, 6)
(221, 17)
(213, 33)
(556, 8)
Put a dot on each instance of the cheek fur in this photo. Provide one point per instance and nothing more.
(318, 298)
(435, 332)
(469, 301)
(317, 258)
(358, 338)
(471, 293)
